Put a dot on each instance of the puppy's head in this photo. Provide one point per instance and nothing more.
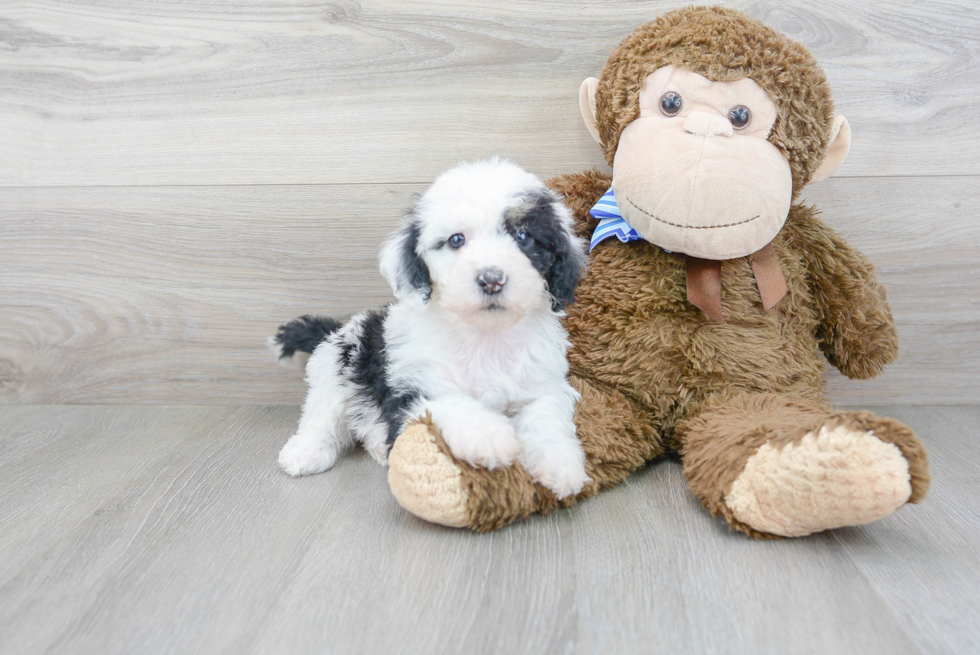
(488, 243)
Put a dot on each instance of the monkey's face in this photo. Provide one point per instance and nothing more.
(695, 172)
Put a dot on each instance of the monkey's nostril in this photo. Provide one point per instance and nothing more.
(491, 280)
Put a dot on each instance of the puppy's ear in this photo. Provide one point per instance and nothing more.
(557, 254)
(401, 263)
(569, 261)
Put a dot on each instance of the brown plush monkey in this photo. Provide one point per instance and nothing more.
(699, 328)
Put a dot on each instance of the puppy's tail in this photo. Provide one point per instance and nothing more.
(295, 340)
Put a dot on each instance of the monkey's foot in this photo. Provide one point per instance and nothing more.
(842, 474)
(425, 480)
(429, 482)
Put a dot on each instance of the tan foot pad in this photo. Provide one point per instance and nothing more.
(829, 479)
(424, 480)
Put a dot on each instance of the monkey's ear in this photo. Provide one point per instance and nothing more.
(586, 102)
(840, 143)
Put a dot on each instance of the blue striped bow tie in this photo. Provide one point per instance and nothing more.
(611, 221)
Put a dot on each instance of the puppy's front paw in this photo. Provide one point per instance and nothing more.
(486, 440)
(304, 456)
(561, 468)
(378, 453)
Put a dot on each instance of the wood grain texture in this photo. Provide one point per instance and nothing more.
(922, 235)
(166, 294)
(926, 562)
(170, 530)
(176, 289)
(121, 92)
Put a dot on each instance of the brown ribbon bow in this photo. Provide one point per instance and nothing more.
(704, 281)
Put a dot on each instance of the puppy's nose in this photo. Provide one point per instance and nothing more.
(491, 280)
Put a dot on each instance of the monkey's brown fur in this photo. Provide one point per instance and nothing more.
(655, 373)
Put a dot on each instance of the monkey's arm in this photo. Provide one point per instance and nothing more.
(857, 332)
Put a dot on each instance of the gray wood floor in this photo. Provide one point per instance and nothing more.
(169, 530)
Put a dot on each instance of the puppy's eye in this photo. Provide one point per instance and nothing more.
(671, 103)
(522, 237)
(457, 240)
(740, 116)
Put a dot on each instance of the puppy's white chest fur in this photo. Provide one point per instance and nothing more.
(502, 369)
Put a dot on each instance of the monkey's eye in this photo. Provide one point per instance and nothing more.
(522, 237)
(457, 240)
(671, 103)
(739, 115)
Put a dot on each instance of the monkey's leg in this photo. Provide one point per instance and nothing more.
(616, 433)
(775, 464)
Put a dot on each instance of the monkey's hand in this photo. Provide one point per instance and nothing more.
(857, 333)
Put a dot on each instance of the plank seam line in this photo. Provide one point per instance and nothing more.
(409, 183)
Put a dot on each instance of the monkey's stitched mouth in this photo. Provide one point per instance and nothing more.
(689, 227)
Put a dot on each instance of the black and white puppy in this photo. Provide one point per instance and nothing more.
(481, 269)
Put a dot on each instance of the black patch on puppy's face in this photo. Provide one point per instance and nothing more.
(549, 248)
(413, 268)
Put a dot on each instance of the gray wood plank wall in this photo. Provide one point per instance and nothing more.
(178, 178)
